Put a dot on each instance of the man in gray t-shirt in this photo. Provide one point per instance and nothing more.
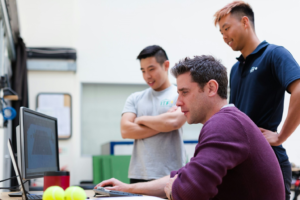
(153, 120)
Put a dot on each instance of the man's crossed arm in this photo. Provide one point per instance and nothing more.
(133, 127)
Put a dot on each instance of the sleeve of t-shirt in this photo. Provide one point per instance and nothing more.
(214, 156)
(130, 104)
(284, 66)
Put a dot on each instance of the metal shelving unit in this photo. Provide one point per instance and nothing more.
(8, 38)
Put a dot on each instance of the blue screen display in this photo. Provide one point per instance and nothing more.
(40, 144)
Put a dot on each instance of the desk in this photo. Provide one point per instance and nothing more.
(89, 193)
(4, 195)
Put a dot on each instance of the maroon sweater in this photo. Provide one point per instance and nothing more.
(232, 161)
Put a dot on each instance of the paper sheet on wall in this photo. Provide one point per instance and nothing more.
(63, 118)
(53, 105)
(51, 101)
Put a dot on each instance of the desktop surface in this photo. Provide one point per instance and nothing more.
(89, 194)
(4, 195)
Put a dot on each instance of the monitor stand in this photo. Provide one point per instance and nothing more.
(15, 194)
(19, 194)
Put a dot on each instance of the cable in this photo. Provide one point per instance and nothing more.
(8, 179)
(9, 188)
(25, 182)
(11, 110)
(12, 187)
(12, 115)
(15, 188)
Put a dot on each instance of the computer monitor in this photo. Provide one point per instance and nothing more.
(37, 144)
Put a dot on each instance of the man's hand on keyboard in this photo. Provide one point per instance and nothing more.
(114, 184)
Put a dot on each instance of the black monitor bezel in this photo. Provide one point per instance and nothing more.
(23, 160)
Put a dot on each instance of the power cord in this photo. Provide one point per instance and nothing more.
(8, 178)
(15, 188)
(12, 187)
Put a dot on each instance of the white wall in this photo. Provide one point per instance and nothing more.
(108, 35)
(65, 82)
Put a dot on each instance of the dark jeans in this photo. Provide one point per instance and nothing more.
(138, 180)
(287, 177)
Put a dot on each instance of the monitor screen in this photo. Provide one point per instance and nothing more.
(39, 141)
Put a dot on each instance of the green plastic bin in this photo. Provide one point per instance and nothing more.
(110, 166)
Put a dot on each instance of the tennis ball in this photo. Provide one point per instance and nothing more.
(75, 193)
(54, 193)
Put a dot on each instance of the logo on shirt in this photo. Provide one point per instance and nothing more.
(253, 69)
(166, 102)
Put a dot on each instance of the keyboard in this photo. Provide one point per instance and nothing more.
(112, 193)
(34, 196)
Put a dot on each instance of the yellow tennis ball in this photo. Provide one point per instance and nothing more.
(75, 193)
(54, 193)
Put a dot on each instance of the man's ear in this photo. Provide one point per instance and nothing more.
(246, 23)
(167, 65)
(212, 86)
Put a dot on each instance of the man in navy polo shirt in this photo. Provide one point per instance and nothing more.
(260, 78)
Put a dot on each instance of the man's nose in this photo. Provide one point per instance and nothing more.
(179, 102)
(148, 75)
(224, 37)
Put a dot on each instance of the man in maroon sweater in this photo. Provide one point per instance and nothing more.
(232, 159)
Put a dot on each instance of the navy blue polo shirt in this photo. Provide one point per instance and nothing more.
(258, 84)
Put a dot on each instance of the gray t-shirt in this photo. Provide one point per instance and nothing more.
(156, 156)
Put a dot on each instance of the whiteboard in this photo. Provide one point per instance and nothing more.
(57, 105)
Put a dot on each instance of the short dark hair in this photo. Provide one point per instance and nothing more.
(203, 68)
(236, 8)
(154, 51)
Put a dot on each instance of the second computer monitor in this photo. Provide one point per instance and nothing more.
(37, 144)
